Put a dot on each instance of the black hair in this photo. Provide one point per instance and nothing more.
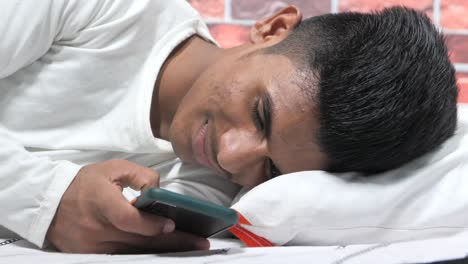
(386, 90)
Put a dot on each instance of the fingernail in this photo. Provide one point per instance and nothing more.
(169, 226)
(203, 244)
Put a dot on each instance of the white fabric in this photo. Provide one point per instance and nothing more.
(425, 198)
(229, 251)
(76, 80)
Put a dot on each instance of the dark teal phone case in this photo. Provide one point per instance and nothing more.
(189, 214)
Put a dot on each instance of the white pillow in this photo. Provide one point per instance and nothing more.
(425, 198)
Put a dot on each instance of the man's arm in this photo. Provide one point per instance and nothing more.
(31, 189)
(79, 209)
(93, 216)
(31, 186)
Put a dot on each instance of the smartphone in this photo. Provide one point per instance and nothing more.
(190, 215)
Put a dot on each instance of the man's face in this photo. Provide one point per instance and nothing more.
(246, 115)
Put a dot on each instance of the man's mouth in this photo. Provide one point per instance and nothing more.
(199, 146)
(202, 150)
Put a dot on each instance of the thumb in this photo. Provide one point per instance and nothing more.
(128, 174)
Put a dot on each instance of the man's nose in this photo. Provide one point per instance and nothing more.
(240, 149)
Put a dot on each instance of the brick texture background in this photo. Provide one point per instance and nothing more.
(230, 21)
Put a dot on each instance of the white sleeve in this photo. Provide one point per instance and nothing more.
(28, 29)
(200, 183)
(31, 189)
(194, 181)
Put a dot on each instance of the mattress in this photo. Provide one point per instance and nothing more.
(13, 251)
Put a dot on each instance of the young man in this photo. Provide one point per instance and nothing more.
(88, 85)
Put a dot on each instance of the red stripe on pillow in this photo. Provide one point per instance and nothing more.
(249, 238)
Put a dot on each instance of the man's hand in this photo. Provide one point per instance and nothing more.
(94, 217)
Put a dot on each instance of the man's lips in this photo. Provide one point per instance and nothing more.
(198, 146)
(203, 149)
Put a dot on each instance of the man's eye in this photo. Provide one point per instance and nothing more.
(259, 123)
(274, 171)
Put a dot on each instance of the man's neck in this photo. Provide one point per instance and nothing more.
(183, 66)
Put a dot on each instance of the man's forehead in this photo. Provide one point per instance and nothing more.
(294, 90)
(294, 115)
(297, 149)
(299, 133)
(295, 118)
(294, 142)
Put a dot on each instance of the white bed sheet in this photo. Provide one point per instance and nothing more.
(231, 251)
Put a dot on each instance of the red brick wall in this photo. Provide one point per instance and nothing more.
(230, 21)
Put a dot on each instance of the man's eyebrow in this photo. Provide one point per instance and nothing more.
(268, 113)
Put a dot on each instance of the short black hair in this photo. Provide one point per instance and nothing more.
(386, 90)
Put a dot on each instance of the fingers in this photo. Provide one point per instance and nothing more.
(119, 212)
(94, 217)
(132, 175)
(128, 218)
(176, 241)
(135, 231)
(180, 241)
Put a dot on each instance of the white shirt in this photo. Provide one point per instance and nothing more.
(76, 80)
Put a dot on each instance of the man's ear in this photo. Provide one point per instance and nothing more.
(279, 25)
